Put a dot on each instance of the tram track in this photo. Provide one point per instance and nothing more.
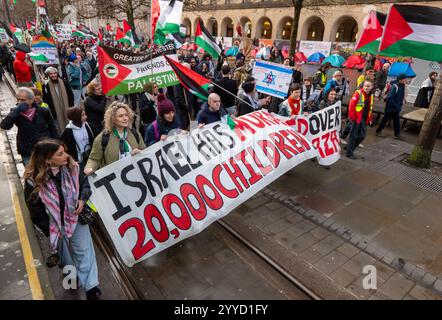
(122, 274)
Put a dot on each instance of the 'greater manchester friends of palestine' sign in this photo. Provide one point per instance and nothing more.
(178, 187)
(124, 72)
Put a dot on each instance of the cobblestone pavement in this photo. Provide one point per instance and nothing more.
(294, 235)
(370, 211)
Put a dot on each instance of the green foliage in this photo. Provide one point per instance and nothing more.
(420, 157)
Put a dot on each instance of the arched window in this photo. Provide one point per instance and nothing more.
(316, 30)
(266, 29)
(246, 25)
(212, 26)
(346, 30)
(287, 30)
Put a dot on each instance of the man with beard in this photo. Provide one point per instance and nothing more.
(57, 93)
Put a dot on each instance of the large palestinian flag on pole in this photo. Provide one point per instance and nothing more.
(205, 40)
(412, 30)
(370, 37)
(169, 19)
(192, 81)
(123, 72)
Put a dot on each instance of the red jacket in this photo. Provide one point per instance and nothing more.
(357, 105)
(23, 71)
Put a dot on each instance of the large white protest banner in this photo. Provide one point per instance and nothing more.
(178, 187)
(124, 72)
(310, 47)
(64, 31)
(322, 129)
(272, 79)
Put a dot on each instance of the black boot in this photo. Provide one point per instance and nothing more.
(93, 294)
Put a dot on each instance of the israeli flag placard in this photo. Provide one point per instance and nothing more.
(272, 79)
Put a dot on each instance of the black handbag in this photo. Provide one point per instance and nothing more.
(87, 216)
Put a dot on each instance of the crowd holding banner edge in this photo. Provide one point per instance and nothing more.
(68, 128)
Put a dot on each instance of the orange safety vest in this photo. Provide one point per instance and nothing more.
(361, 105)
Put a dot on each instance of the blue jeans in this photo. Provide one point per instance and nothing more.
(82, 252)
(78, 96)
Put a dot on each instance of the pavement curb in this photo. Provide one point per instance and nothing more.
(15, 182)
(374, 249)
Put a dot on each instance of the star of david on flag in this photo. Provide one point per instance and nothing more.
(269, 78)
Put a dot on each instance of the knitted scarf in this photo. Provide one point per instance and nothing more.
(49, 196)
(295, 106)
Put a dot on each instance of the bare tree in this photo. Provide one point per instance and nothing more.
(421, 154)
(311, 4)
(130, 10)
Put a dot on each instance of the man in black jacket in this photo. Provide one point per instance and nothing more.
(33, 123)
(229, 85)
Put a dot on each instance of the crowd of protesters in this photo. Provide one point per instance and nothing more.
(70, 129)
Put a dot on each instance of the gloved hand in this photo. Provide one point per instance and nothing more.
(22, 107)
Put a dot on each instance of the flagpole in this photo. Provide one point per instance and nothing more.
(151, 39)
(232, 94)
(385, 27)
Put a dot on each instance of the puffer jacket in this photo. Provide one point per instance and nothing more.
(74, 74)
(23, 71)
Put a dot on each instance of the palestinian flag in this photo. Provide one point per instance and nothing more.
(86, 30)
(227, 119)
(155, 14)
(205, 40)
(412, 30)
(45, 29)
(119, 34)
(18, 33)
(125, 35)
(178, 38)
(371, 36)
(78, 33)
(169, 19)
(125, 72)
(38, 57)
(192, 81)
(30, 26)
(100, 37)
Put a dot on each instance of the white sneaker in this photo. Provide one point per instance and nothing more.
(343, 142)
(361, 145)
